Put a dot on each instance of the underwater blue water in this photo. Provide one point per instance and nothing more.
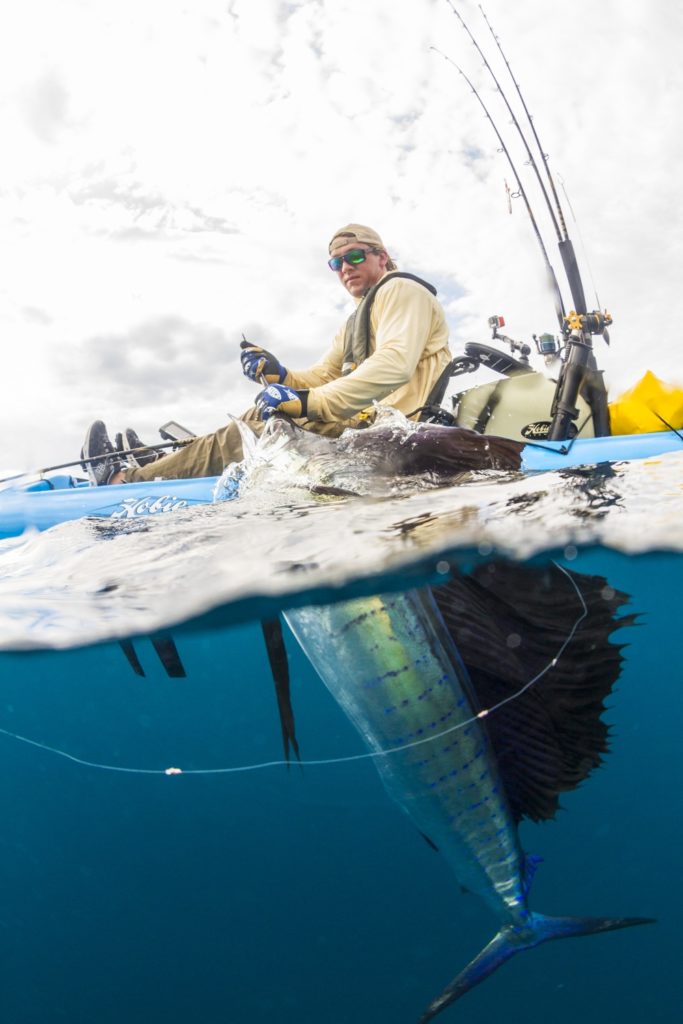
(303, 895)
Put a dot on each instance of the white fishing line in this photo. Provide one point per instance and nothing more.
(370, 755)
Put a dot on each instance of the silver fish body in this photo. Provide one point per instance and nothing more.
(390, 663)
(393, 668)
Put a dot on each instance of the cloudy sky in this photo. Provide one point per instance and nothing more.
(173, 169)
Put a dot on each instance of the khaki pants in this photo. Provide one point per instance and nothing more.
(209, 455)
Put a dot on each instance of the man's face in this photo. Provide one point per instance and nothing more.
(359, 278)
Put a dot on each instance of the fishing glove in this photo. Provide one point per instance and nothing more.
(261, 366)
(278, 398)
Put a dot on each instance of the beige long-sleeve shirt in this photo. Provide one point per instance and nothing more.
(408, 351)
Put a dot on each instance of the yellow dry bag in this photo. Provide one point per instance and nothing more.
(638, 411)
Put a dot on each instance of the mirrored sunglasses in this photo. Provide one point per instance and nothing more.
(353, 258)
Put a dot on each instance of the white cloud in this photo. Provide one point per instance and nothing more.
(171, 164)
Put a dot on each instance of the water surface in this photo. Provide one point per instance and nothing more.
(304, 895)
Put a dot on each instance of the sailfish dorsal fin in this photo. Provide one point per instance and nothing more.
(509, 622)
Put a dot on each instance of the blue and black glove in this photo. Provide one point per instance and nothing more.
(278, 398)
(261, 366)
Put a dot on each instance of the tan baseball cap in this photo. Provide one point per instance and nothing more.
(358, 233)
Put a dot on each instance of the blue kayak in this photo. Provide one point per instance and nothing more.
(56, 499)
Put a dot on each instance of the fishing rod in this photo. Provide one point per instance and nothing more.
(559, 305)
(516, 123)
(565, 244)
(583, 249)
(96, 458)
(544, 155)
(579, 373)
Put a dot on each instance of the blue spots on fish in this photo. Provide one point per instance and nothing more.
(453, 745)
(484, 841)
(475, 757)
(531, 863)
(407, 701)
(424, 729)
(443, 778)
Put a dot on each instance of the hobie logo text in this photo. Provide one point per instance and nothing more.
(536, 431)
(131, 507)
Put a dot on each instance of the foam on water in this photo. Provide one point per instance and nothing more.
(291, 538)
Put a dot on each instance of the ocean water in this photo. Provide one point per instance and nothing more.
(303, 894)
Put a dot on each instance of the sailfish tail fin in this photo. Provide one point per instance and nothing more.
(512, 939)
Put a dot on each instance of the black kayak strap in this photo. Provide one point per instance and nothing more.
(357, 331)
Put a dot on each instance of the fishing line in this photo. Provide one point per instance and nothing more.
(371, 755)
(669, 425)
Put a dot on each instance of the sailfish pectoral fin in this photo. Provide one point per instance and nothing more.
(128, 649)
(168, 655)
(511, 940)
(279, 665)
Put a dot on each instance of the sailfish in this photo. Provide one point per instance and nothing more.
(481, 701)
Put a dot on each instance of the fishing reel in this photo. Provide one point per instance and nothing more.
(589, 323)
(550, 347)
(547, 345)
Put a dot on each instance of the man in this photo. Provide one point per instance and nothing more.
(392, 349)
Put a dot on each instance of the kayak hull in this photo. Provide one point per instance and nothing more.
(41, 508)
(57, 499)
(552, 455)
